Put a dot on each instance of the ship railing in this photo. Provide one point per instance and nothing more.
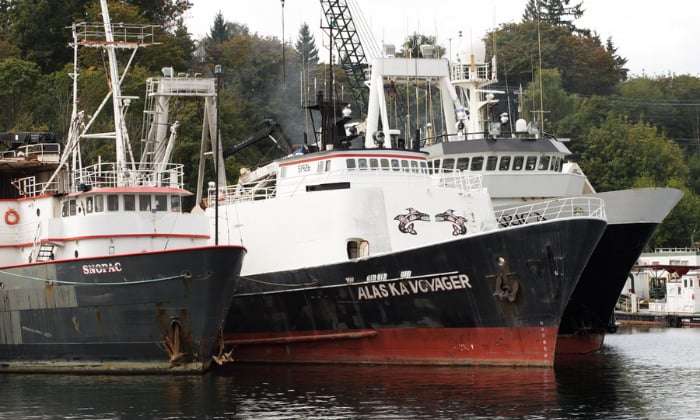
(266, 188)
(461, 72)
(457, 179)
(28, 187)
(104, 175)
(42, 152)
(124, 35)
(550, 210)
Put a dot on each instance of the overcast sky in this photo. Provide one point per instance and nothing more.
(657, 37)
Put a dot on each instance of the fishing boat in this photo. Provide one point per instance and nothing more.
(518, 165)
(358, 255)
(100, 268)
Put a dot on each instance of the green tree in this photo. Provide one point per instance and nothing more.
(220, 32)
(306, 46)
(167, 13)
(586, 67)
(412, 44)
(617, 153)
(38, 29)
(19, 84)
(555, 12)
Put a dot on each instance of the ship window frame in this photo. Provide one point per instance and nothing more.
(491, 163)
(160, 202)
(395, 165)
(72, 208)
(129, 201)
(504, 163)
(357, 248)
(414, 166)
(405, 166)
(350, 164)
(462, 164)
(99, 203)
(374, 164)
(518, 163)
(362, 164)
(448, 165)
(175, 203)
(89, 208)
(477, 163)
(112, 202)
(145, 202)
(543, 163)
(384, 163)
(531, 163)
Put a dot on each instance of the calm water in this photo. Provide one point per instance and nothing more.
(642, 373)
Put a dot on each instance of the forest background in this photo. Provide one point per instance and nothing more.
(625, 131)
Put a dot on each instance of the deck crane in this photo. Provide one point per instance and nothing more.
(346, 39)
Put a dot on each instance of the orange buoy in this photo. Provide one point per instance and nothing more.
(11, 217)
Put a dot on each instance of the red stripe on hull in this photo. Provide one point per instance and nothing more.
(580, 343)
(526, 346)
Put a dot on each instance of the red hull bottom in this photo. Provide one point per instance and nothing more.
(579, 344)
(522, 346)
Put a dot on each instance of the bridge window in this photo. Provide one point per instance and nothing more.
(175, 203)
(99, 204)
(477, 163)
(395, 164)
(448, 165)
(362, 163)
(491, 162)
(544, 163)
(385, 164)
(112, 202)
(161, 202)
(89, 205)
(350, 163)
(530, 163)
(129, 202)
(374, 164)
(462, 164)
(414, 166)
(144, 202)
(404, 165)
(556, 164)
(518, 163)
(504, 164)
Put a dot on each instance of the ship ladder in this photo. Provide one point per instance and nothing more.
(45, 252)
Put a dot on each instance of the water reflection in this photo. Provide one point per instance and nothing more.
(394, 391)
(641, 373)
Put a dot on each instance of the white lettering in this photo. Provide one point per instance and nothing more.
(384, 289)
(102, 268)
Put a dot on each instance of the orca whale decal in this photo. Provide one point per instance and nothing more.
(406, 220)
(459, 223)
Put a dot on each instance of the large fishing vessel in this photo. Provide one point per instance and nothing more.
(100, 268)
(517, 165)
(359, 255)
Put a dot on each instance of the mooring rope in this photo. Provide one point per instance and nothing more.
(80, 283)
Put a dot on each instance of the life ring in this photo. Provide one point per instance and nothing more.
(11, 217)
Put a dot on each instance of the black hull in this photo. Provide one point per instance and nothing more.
(418, 297)
(590, 309)
(117, 313)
